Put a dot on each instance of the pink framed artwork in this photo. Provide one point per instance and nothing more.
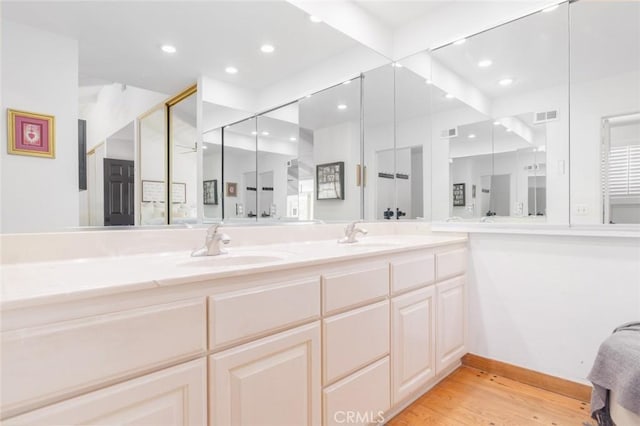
(31, 134)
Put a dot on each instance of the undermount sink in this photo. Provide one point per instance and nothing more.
(231, 260)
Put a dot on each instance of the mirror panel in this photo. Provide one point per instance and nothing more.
(153, 170)
(605, 102)
(183, 141)
(379, 144)
(282, 160)
(330, 120)
(240, 198)
(510, 140)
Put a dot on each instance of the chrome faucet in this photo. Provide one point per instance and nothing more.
(213, 243)
(350, 233)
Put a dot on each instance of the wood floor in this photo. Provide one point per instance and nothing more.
(473, 397)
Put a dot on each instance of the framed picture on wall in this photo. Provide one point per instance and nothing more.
(30, 134)
(231, 189)
(210, 192)
(330, 181)
(458, 195)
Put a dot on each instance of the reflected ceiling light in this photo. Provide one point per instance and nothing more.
(204, 147)
(471, 136)
(485, 63)
(308, 96)
(508, 130)
(167, 48)
(254, 133)
(342, 106)
(267, 48)
(550, 8)
(449, 96)
(265, 133)
(428, 81)
(496, 123)
(505, 82)
(347, 82)
(231, 70)
(314, 19)
(293, 139)
(459, 42)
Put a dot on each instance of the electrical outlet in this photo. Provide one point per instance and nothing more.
(582, 210)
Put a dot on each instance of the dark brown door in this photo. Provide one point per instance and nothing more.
(118, 192)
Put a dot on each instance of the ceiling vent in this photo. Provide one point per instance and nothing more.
(449, 133)
(545, 116)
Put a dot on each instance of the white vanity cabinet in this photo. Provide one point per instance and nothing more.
(351, 341)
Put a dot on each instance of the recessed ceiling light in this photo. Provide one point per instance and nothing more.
(550, 8)
(314, 19)
(267, 48)
(508, 130)
(347, 82)
(342, 106)
(428, 81)
(254, 133)
(471, 136)
(396, 64)
(449, 96)
(167, 48)
(293, 139)
(204, 147)
(485, 63)
(496, 123)
(308, 96)
(231, 70)
(265, 133)
(505, 82)
(459, 42)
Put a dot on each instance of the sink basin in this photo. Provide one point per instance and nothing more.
(230, 260)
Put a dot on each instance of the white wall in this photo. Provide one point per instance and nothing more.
(547, 302)
(40, 74)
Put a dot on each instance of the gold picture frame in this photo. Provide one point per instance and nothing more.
(31, 134)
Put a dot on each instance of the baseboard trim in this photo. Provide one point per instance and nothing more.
(544, 381)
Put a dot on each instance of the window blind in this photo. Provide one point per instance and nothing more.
(624, 171)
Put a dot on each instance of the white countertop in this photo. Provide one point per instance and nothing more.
(49, 282)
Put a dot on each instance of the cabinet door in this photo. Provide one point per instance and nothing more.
(413, 341)
(451, 329)
(272, 381)
(172, 397)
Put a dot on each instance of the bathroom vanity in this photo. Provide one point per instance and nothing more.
(300, 333)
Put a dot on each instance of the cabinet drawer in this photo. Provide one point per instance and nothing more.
(412, 273)
(241, 315)
(354, 339)
(451, 263)
(363, 396)
(172, 397)
(344, 290)
(42, 364)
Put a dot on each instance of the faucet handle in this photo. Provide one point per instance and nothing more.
(213, 229)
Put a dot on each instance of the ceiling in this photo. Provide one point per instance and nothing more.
(120, 41)
(394, 14)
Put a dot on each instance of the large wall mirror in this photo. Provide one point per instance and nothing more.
(605, 107)
(499, 121)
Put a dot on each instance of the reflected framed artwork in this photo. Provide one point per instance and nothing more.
(210, 192)
(458, 195)
(330, 181)
(232, 189)
(30, 134)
